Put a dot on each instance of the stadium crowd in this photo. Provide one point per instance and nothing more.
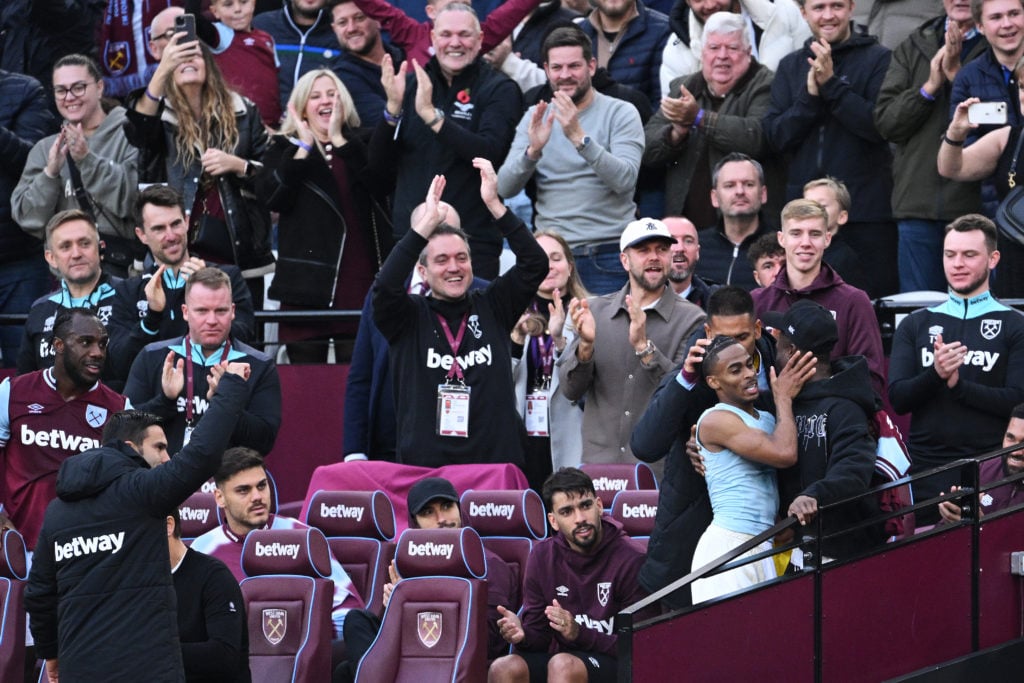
(608, 233)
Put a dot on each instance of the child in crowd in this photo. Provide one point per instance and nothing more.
(244, 54)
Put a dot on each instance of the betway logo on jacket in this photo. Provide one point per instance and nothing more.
(481, 356)
(342, 511)
(57, 438)
(986, 360)
(600, 625)
(87, 545)
(431, 549)
(199, 404)
(491, 510)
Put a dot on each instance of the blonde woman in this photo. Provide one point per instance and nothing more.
(331, 225)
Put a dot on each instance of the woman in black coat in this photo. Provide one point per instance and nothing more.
(332, 223)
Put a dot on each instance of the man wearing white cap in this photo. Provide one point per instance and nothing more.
(627, 341)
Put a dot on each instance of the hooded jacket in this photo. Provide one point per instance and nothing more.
(858, 326)
(100, 594)
(592, 587)
(836, 455)
(834, 133)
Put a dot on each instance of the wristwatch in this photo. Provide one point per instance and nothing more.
(647, 350)
(583, 143)
(438, 116)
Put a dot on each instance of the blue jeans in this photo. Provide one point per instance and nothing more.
(920, 255)
(600, 268)
(21, 283)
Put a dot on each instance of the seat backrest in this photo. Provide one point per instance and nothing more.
(636, 511)
(13, 575)
(360, 527)
(198, 514)
(433, 629)
(288, 596)
(509, 522)
(610, 478)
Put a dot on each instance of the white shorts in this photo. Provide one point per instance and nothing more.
(714, 543)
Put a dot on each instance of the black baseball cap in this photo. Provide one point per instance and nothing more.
(426, 490)
(809, 325)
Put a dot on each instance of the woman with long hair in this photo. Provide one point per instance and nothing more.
(206, 141)
(553, 423)
(332, 222)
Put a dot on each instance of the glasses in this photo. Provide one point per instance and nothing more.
(77, 89)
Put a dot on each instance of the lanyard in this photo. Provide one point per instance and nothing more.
(189, 387)
(540, 353)
(454, 342)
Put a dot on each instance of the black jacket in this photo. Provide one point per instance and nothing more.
(684, 509)
(836, 454)
(723, 262)
(25, 119)
(311, 227)
(834, 134)
(100, 595)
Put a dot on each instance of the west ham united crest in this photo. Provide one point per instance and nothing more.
(96, 416)
(275, 625)
(990, 328)
(604, 589)
(428, 628)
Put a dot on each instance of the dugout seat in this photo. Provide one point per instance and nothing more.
(636, 510)
(434, 626)
(288, 596)
(199, 514)
(13, 578)
(509, 522)
(610, 478)
(360, 528)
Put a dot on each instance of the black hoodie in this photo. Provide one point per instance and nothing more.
(100, 595)
(836, 454)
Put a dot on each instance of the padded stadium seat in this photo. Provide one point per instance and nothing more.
(13, 575)
(611, 478)
(360, 528)
(433, 629)
(288, 598)
(509, 522)
(636, 510)
(199, 514)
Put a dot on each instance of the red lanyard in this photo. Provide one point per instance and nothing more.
(189, 387)
(454, 342)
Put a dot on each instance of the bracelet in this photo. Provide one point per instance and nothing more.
(392, 119)
(438, 116)
(647, 350)
(152, 96)
(952, 143)
(696, 121)
(924, 94)
(303, 145)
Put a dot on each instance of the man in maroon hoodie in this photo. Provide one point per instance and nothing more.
(576, 582)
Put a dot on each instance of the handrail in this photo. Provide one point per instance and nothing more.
(624, 620)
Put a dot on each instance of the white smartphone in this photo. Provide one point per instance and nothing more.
(987, 113)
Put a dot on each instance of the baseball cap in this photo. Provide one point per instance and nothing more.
(643, 230)
(426, 490)
(808, 324)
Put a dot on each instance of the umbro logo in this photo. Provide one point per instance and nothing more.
(34, 408)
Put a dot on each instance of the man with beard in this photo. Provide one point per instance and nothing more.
(148, 308)
(685, 252)
(738, 191)
(359, 64)
(576, 582)
(626, 342)
(49, 415)
(958, 363)
(993, 470)
(303, 40)
(582, 150)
